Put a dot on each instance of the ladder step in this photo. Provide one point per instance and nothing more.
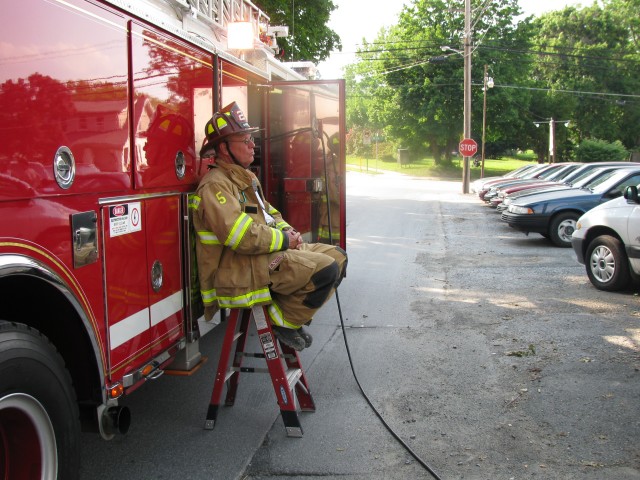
(249, 369)
(293, 376)
(237, 335)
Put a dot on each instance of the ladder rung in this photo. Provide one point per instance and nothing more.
(250, 355)
(237, 335)
(249, 369)
(293, 375)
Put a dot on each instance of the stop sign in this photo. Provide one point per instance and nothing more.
(468, 147)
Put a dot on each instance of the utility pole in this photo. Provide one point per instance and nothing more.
(552, 136)
(484, 117)
(466, 174)
(552, 141)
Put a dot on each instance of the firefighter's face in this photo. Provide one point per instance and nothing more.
(242, 148)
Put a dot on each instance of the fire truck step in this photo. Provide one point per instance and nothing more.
(283, 364)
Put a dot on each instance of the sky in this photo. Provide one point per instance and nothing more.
(354, 20)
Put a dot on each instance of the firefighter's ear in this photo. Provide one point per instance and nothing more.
(223, 148)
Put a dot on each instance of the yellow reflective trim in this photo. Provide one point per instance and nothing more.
(208, 238)
(277, 317)
(238, 230)
(282, 225)
(324, 233)
(194, 201)
(208, 296)
(247, 300)
(277, 241)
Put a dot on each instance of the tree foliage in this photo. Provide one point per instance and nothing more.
(591, 68)
(601, 151)
(577, 64)
(309, 36)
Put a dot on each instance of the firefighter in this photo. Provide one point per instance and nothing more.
(247, 253)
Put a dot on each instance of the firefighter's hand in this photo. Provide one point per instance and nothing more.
(295, 238)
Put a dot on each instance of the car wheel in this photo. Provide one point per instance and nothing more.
(562, 228)
(607, 264)
(39, 419)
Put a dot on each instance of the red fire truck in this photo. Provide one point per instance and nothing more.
(103, 105)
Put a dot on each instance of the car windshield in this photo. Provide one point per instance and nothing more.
(563, 172)
(534, 172)
(600, 180)
(618, 187)
(519, 171)
(574, 180)
(590, 176)
(550, 172)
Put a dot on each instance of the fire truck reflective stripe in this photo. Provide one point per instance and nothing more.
(247, 300)
(141, 321)
(208, 296)
(277, 240)
(165, 308)
(277, 317)
(238, 230)
(128, 328)
(208, 238)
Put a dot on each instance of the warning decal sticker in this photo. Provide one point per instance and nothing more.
(268, 346)
(125, 218)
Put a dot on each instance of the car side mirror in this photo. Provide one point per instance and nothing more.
(631, 194)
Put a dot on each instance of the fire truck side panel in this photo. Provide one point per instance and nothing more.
(172, 91)
(164, 259)
(66, 90)
(127, 281)
(143, 280)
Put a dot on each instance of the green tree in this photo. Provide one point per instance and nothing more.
(309, 36)
(589, 61)
(407, 84)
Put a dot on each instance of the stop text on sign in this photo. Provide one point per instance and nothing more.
(468, 147)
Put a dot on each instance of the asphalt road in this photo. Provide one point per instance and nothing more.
(487, 351)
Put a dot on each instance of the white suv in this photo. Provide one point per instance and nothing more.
(607, 241)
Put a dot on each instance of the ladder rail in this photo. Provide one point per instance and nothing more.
(282, 363)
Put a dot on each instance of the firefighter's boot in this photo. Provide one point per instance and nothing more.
(290, 337)
(306, 336)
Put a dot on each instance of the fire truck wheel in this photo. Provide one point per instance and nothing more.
(39, 419)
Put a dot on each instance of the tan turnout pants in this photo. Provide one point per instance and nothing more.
(302, 281)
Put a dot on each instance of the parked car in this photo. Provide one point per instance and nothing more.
(538, 171)
(476, 185)
(554, 179)
(582, 179)
(607, 241)
(554, 214)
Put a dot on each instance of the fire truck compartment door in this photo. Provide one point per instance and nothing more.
(143, 280)
(304, 162)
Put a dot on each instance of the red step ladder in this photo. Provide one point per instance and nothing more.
(283, 364)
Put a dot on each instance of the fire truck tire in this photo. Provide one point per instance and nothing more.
(39, 418)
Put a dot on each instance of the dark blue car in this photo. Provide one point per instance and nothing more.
(554, 214)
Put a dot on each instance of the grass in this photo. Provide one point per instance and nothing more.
(426, 167)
